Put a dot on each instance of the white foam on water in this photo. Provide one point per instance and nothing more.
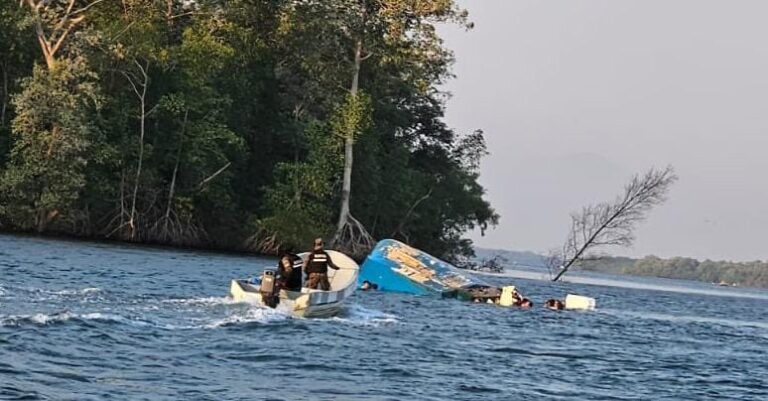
(37, 318)
(360, 316)
(254, 314)
(41, 294)
(202, 301)
(110, 317)
(84, 291)
(42, 319)
(237, 316)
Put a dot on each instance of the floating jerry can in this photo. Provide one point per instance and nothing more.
(579, 302)
(507, 295)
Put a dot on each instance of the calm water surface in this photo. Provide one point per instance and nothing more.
(82, 321)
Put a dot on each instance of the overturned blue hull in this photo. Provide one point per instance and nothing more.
(395, 266)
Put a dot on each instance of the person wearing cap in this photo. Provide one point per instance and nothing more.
(316, 267)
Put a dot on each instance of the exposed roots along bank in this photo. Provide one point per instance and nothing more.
(353, 239)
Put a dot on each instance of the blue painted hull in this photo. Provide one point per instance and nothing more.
(397, 267)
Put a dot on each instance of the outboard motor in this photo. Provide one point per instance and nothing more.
(268, 289)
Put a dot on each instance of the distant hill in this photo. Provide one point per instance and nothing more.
(750, 274)
(514, 258)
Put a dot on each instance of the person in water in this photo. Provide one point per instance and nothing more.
(289, 271)
(316, 267)
(368, 286)
(525, 303)
(554, 304)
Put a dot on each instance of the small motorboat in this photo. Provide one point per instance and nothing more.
(306, 302)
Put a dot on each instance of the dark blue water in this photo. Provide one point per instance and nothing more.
(85, 321)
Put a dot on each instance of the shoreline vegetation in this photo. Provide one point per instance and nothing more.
(232, 126)
(726, 273)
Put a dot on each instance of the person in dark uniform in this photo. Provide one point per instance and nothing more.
(289, 271)
(316, 267)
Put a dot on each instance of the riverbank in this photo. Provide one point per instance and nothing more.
(100, 240)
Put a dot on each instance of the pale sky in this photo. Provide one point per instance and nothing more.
(576, 96)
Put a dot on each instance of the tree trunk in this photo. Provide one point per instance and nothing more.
(172, 188)
(346, 189)
(566, 267)
(142, 95)
(171, 194)
(4, 97)
(132, 220)
(122, 198)
(40, 221)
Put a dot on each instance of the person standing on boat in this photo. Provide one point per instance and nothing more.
(316, 267)
(289, 271)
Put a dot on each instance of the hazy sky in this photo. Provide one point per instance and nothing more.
(575, 96)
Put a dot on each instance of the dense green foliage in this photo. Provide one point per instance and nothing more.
(752, 274)
(221, 123)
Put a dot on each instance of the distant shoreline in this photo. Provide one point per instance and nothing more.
(726, 273)
(742, 292)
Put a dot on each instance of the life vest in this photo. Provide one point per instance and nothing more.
(318, 262)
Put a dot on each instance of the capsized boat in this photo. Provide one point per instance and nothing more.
(306, 302)
(395, 266)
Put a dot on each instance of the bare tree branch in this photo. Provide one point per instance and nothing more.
(612, 224)
(214, 175)
(408, 214)
(59, 21)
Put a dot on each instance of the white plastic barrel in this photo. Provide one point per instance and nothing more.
(579, 302)
(507, 296)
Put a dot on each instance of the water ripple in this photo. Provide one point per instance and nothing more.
(94, 321)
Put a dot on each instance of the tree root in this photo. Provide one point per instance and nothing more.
(177, 230)
(263, 242)
(353, 239)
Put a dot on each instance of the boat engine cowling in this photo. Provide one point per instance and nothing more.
(268, 289)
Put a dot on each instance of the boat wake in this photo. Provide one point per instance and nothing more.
(360, 316)
(195, 313)
(254, 314)
(202, 301)
(84, 291)
(43, 319)
(42, 295)
(249, 316)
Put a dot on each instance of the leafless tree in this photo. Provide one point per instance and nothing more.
(612, 223)
(140, 84)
